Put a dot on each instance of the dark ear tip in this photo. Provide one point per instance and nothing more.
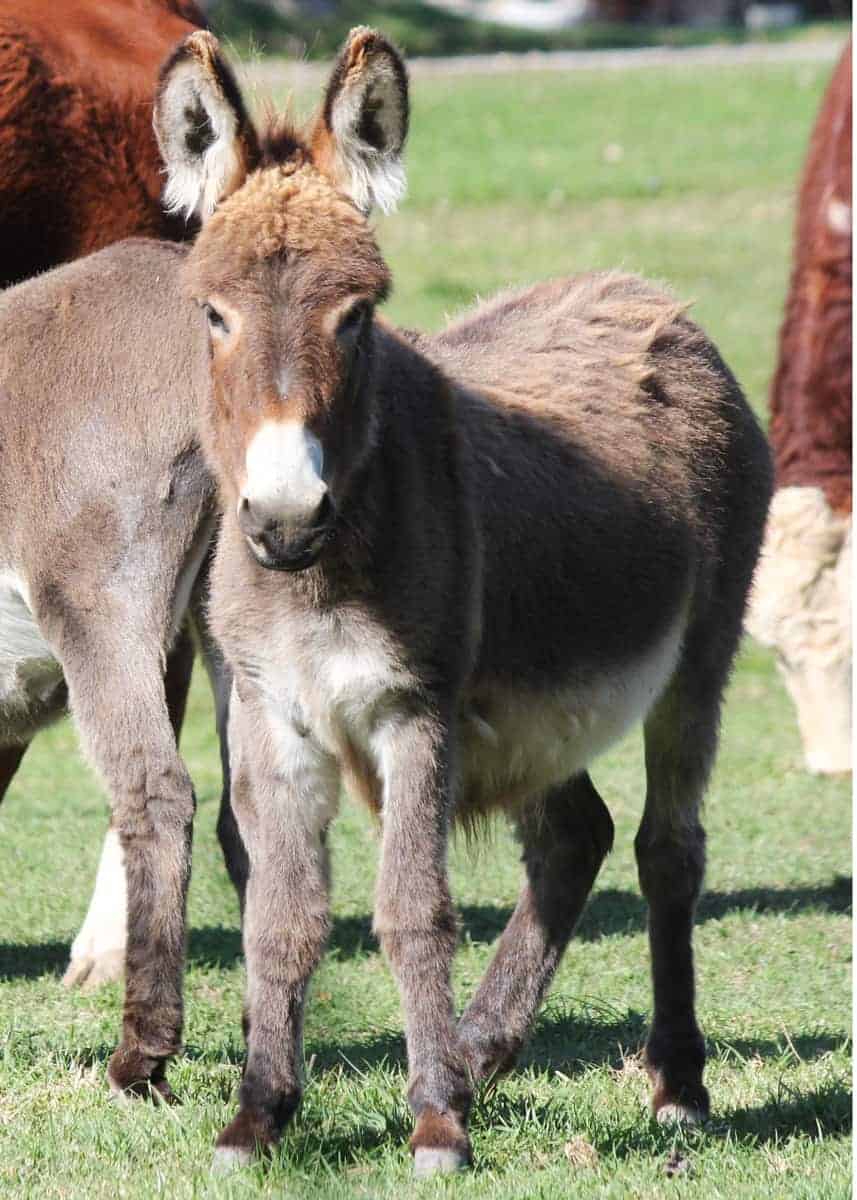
(201, 45)
(364, 40)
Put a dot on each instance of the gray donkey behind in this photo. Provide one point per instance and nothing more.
(451, 571)
(107, 517)
(107, 514)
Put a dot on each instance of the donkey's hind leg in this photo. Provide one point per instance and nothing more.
(98, 952)
(565, 840)
(681, 738)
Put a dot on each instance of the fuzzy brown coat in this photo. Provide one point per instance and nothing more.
(79, 166)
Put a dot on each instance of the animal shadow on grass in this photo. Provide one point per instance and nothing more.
(611, 911)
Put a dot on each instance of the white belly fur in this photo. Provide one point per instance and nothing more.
(341, 687)
(519, 743)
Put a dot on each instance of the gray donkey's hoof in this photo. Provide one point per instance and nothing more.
(431, 1160)
(230, 1158)
(90, 971)
(679, 1114)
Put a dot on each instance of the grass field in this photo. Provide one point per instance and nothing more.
(688, 177)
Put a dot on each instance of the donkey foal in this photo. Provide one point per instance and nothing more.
(452, 570)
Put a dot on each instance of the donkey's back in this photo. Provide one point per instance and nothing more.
(621, 483)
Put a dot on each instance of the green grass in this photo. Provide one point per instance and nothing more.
(509, 183)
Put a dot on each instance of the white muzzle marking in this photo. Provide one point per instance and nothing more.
(284, 464)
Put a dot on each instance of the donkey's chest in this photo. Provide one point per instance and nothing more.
(342, 687)
(336, 681)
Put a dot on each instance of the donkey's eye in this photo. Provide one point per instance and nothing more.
(353, 319)
(216, 321)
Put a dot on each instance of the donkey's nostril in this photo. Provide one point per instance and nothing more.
(251, 523)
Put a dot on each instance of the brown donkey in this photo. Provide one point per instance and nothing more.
(451, 571)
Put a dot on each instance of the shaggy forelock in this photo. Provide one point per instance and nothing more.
(288, 208)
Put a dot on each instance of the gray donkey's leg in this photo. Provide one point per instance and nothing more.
(415, 921)
(98, 951)
(284, 791)
(112, 658)
(565, 840)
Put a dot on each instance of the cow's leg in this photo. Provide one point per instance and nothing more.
(681, 738)
(415, 921)
(113, 667)
(565, 840)
(284, 792)
(98, 951)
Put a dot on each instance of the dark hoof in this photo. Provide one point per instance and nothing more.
(134, 1076)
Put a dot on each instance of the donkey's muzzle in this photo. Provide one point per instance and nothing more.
(286, 547)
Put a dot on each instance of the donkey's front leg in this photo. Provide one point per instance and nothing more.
(415, 922)
(284, 794)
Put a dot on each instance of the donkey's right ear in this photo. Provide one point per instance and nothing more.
(206, 138)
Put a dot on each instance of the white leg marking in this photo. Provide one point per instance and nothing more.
(98, 951)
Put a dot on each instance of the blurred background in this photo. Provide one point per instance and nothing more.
(440, 27)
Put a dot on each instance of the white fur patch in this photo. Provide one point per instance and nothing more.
(801, 605)
(284, 464)
(839, 216)
(311, 775)
(371, 176)
(195, 186)
(518, 743)
(28, 669)
(98, 951)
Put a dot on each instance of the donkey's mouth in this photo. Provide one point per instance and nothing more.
(297, 554)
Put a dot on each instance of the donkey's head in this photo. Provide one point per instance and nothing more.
(287, 273)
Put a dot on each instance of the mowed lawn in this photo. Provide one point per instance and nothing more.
(687, 176)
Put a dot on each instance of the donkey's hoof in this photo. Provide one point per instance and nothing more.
(433, 1160)
(89, 972)
(680, 1114)
(230, 1158)
(158, 1092)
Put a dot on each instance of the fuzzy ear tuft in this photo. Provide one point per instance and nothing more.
(360, 133)
(206, 139)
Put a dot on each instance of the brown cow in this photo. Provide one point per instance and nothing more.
(802, 595)
(79, 169)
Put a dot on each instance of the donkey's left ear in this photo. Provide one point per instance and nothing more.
(206, 138)
(360, 133)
